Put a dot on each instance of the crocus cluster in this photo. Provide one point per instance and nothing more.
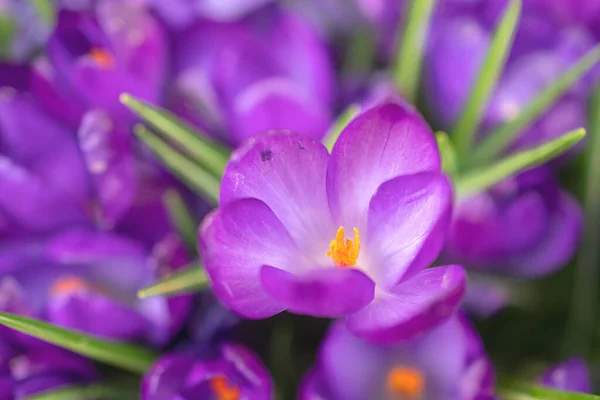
(355, 230)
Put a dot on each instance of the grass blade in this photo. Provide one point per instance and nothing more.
(407, 66)
(483, 178)
(181, 218)
(532, 392)
(498, 140)
(472, 113)
(197, 178)
(581, 325)
(208, 153)
(189, 280)
(92, 392)
(125, 356)
(338, 126)
(447, 153)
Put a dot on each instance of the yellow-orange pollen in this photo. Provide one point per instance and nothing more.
(69, 284)
(221, 388)
(344, 251)
(405, 383)
(102, 57)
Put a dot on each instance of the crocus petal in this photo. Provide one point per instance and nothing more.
(287, 172)
(571, 375)
(331, 292)
(277, 103)
(165, 377)
(407, 222)
(558, 246)
(227, 10)
(237, 240)
(95, 313)
(412, 307)
(111, 165)
(380, 144)
(35, 206)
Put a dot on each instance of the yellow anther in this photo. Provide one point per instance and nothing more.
(102, 57)
(223, 390)
(344, 251)
(405, 383)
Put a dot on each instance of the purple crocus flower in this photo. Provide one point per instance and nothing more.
(267, 71)
(525, 226)
(235, 374)
(571, 375)
(544, 49)
(93, 57)
(447, 363)
(341, 235)
(182, 13)
(27, 365)
(60, 198)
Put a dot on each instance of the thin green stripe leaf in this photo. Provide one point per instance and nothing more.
(189, 280)
(485, 177)
(470, 118)
(7, 31)
(181, 218)
(498, 140)
(580, 332)
(447, 153)
(93, 392)
(196, 178)
(125, 356)
(407, 66)
(206, 152)
(541, 393)
(338, 126)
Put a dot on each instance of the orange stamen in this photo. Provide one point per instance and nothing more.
(344, 253)
(405, 383)
(68, 284)
(102, 57)
(221, 387)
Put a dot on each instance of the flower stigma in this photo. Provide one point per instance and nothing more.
(405, 383)
(344, 253)
(102, 57)
(223, 390)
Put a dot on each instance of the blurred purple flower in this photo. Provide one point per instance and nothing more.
(28, 365)
(235, 374)
(268, 71)
(180, 14)
(544, 49)
(277, 241)
(525, 226)
(92, 57)
(571, 375)
(76, 232)
(29, 30)
(447, 363)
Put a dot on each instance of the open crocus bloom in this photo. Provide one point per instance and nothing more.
(341, 235)
(236, 374)
(571, 375)
(448, 363)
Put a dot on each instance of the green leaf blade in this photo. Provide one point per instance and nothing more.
(493, 64)
(407, 66)
(207, 153)
(181, 218)
(338, 126)
(125, 356)
(498, 140)
(92, 392)
(583, 314)
(189, 280)
(485, 177)
(447, 153)
(197, 178)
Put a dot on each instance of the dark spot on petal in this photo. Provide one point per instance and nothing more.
(301, 145)
(266, 155)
